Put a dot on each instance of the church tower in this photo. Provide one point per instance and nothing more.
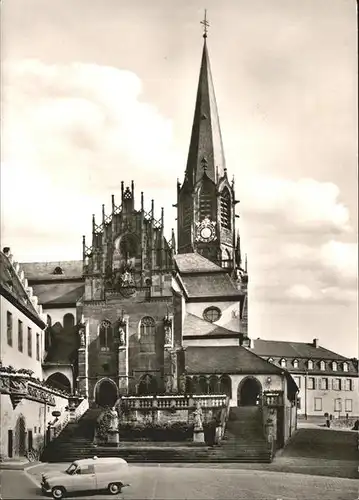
(206, 199)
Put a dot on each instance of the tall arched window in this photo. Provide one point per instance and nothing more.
(226, 209)
(105, 335)
(147, 334)
(68, 320)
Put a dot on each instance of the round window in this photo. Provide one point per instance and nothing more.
(212, 314)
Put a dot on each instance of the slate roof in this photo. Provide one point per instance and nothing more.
(303, 352)
(206, 138)
(215, 285)
(226, 359)
(193, 325)
(42, 270)
(195, 263)
(59, 293)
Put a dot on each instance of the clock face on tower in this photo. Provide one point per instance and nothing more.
(206, 230)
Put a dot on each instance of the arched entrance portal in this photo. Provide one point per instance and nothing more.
(147, 386)
(59, 381)
(249, 392)
(106, 393)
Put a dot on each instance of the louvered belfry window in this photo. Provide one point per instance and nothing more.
(226, 209)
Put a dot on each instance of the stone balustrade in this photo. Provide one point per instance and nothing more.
(174, 402)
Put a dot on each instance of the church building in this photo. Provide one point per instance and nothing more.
(145, 315)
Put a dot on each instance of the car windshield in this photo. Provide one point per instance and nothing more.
(71, 469)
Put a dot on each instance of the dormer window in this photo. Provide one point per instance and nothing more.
(295, 363)
(334, 366)
(345, 367)
(58, 270)
(283, 363)
(310, 365)
(270, 360)
(322, 365)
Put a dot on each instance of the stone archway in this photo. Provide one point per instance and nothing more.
(106, 393)
(249, 392)
(59, 381)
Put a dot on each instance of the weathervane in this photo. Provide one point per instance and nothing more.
(205, 24)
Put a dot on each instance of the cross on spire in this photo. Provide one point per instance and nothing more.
(205, 24)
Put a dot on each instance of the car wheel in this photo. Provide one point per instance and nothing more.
(58, 492)
(114, 488)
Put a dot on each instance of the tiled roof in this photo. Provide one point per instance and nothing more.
(194, 263)
(227, 359)
(293, 350)
(12, 287)
(41, 270)
(210, 285)
(59, 293)
(196, 326)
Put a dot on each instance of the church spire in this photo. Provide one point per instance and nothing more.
(206, 139)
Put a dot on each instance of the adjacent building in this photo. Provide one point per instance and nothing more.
(327, 381)
(27, 404)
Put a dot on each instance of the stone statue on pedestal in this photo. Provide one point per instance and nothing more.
(82, 332)
(114, 423)
(122, 336)
(168, 335)
(198, 418)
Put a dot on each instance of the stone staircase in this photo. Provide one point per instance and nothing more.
(75, 441)
(244, 441)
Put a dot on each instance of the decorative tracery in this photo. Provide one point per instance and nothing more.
(106, 334)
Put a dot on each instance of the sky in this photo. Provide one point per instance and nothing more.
(94, 92)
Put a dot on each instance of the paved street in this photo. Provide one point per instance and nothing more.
(196, 483)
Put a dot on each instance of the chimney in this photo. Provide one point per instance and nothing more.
(316, 343)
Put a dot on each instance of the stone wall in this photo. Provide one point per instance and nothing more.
(25, 417)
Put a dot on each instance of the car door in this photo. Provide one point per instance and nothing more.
(84, 478)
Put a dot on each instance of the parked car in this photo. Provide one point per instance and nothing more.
(90, 474)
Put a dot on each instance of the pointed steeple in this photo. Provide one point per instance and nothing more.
(206, 138)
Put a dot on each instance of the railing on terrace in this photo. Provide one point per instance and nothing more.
(77, 412)
(176, 401)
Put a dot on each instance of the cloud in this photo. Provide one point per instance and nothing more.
(72, 133)
(306, 205)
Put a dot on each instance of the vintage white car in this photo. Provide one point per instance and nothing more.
(89, 474)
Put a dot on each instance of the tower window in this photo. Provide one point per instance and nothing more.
(207, 198)
(226, 209)
(105, 335)
(212, 314)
